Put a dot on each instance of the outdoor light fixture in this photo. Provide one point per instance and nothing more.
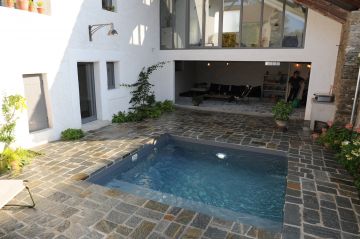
(94, 28)
(209, 64)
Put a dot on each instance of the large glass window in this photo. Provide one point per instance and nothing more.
(251, 23)
(294, 24)
(196, 22)
(231, 23)
(212, 19)
(180, 24)
(272, 23)
(166, 18)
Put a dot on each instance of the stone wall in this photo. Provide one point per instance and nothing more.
(347, 68)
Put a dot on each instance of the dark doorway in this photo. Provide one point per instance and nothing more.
(87, 92)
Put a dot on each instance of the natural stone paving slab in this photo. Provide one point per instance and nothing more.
(321, 200)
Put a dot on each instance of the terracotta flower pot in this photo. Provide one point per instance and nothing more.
(9, 3)
(22, 4)
(32, 8)
(41, 10)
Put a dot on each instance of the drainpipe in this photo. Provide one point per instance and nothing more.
(356, 97)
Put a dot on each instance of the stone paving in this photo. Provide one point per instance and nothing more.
(321, 201)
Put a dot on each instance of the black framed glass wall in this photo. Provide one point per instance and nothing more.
(232, 24)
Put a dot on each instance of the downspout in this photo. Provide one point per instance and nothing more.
(355, 98)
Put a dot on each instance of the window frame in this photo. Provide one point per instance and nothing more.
(113, 85)
(221, 18)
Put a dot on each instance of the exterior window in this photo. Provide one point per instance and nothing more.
(110, 68)
(212, 18)
(251, 23)
(196, 23)
(231, 23)
(166, 19)
(180, 24)
(108, 5)
(272, 23)
(294, 24)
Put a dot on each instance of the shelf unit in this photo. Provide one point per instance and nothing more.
(275, 85)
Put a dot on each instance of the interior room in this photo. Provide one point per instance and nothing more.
(244, 87)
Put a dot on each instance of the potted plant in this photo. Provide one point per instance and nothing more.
(22, 4)
(40, 7)
(10, 3)
(282, 111)
(197, 100)
(32, 6)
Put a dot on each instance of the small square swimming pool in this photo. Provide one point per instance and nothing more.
(230, 182)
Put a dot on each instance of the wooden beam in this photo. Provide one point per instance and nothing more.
(355, 3)
(326, 8)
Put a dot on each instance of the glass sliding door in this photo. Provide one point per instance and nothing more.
(166, 24)
(231, 23)
(272, 23)
(294, 24)
(196, 23)
(213, 8)
(250, 35)
(180, 24)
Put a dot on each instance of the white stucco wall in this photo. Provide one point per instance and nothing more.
(321, 49)
(33, 43)
(52, 45)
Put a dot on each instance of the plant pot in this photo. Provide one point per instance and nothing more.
(281, 123)
(41, 10)
(22, 4)
(9, 3)
(32, 8)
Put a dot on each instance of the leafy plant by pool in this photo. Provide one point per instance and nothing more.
(282, 111)
(12, 158)
(72, 134)
(143, 103)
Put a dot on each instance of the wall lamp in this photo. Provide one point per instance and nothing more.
(94, 28)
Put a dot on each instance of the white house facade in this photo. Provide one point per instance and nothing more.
(50, 59)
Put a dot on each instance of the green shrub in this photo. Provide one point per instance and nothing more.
(72, 134)
(14, 160)
(349, 155)
(120, 117)
(282, 110)
(167, 106)
(334, 136)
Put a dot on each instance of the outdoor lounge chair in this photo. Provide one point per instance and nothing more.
(9, 189)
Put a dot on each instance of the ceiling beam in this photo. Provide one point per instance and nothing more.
(355, 3)
(326, 8)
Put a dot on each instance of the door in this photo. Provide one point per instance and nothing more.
(87, 92)
(36, 103)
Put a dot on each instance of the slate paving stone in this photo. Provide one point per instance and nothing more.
(133, 221)
(311, 216)
(127, 208)
(185, 217)
(292, 214)
(321, 232)
(105, 226)
(123, 230)
(349, 227)
(327, 204)
(290, 232)
(117, 217)
(343, 202)
(330, 218)
(156, 206)
(143, 230)
(347, 215)
(310, 202)
(191, 233)
(221, 223)
(148, 213)
(215, 233)
(174, 230)
(174, 210)
(201, 221)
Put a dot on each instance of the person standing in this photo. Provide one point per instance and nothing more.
(295, 83)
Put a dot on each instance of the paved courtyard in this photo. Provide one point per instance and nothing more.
(321, 201)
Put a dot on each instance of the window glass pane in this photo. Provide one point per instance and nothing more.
(180, 24)
(272, 23)
(195, 28)
(294, 27)
(231, 23)
(110, 75)
(212, 14)
(166, 24)
(251, 23)
(108, 5)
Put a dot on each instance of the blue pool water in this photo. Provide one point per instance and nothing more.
(233, 184)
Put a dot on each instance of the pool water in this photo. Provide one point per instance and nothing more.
(225, 182)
